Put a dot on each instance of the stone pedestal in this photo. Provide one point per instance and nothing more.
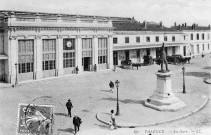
(163, 98)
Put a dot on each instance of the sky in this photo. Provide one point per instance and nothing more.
(167, 11)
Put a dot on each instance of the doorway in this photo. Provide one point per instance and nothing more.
(184, 50)
(127, 55)
(87, 63)
(115, 59)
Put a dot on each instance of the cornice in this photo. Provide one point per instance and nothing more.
(18, 28)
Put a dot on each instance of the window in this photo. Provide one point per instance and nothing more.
(115, 41)
(165, 38)
(173, 38)
(147, 39)
(137, 39)
(25, 56)
(49, 54)
(68, 52)
(184, 37)
(197, 36)
(157, 39)
(208, 36)
(198, 48)
(191, 36)
(102, 50)
(126, 39)
(86, 43)
(202, 36)
(203, 46)
(208, 46)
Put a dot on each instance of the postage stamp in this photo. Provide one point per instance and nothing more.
(35, 119)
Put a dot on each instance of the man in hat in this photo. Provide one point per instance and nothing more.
(69, 107)
(76, 122)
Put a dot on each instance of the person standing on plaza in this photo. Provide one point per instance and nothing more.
(69, 107)
(95, 68)
(77, 70)
(76, 122)
(111, 84)
(113, 122)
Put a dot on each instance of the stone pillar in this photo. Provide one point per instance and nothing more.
(110, 52)
(59, 56)
(163, 98)
(13, 58)
(78, 54)
(95, 52)
(38, 57)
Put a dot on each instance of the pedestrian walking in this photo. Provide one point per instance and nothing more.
(77, 70)
(111, 84)
(113, 122)
(69, 107)
(95, 68)
(76, 122)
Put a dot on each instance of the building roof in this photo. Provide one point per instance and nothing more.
(137, 26)
(4, 13)
(194, 27)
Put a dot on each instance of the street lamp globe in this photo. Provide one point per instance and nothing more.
(117, 83)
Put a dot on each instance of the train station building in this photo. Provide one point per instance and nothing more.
(42, 45)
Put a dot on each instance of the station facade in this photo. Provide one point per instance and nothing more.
(42, 45)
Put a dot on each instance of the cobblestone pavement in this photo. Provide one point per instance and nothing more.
(90, 94)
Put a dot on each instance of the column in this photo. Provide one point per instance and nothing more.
(13, 58)
(38, 57)
(78, 54)
(110, 52)
(59, 56)
(95, 52)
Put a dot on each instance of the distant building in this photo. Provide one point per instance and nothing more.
(132, 40)
(198, 39)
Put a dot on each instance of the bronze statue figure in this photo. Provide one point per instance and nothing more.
(163, 59)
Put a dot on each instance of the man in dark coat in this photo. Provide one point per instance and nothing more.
(163, 57)
(69, 107)
(111, 84)
(76, 122)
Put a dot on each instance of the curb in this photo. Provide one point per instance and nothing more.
(162, 122)
(207, 81)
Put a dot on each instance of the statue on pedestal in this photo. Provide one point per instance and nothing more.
(163, 59)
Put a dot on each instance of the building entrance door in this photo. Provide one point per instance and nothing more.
(87, 63)
(184, 50)
(127, 55)
(115, 59)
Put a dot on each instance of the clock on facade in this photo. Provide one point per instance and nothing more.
(69, 44)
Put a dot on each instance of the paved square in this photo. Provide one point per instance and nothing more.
(89, 93)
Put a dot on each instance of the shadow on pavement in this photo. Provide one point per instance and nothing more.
(197, 74)
(207, 67)
(103, 126)
(126, 101)
(61, 114)
(70, 130)
(106, 91)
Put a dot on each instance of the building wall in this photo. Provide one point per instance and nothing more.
(12, 37)
(200, 41)
(1, 43)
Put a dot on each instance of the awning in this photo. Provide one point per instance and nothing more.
(130, 47)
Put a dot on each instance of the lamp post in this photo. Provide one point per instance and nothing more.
(16, 79)
(117, 106)
(183, 71)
